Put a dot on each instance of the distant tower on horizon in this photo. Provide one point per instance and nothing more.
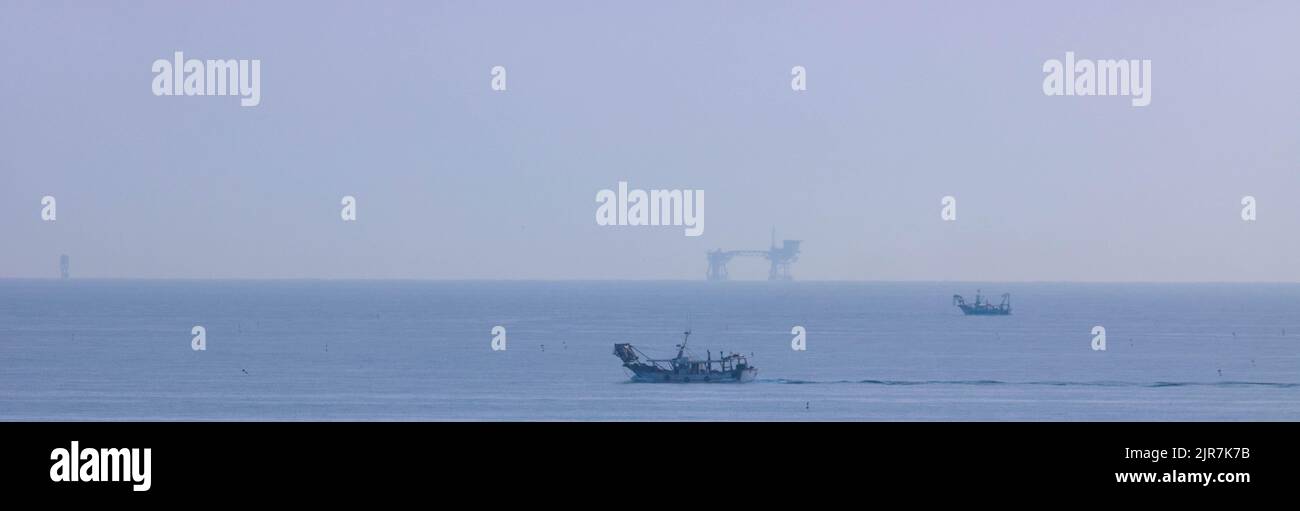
(781, 258)
(63, 266)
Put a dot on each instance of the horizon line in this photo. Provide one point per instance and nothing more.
(812, 281)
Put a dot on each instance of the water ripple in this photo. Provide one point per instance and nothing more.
(1158, 384)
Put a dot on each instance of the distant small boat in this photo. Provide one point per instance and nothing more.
(983, 307)
(732, 368)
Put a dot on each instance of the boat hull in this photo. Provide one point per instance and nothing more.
(651, 375)
(972, 311)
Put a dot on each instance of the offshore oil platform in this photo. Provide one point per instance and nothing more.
(983, 307)
(730, 368)
(780, 257)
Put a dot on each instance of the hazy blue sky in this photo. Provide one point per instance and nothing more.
(906, 102)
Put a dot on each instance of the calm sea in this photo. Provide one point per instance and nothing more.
(420, 350)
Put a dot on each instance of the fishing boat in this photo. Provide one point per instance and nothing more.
(983, 307)
(683, 368)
